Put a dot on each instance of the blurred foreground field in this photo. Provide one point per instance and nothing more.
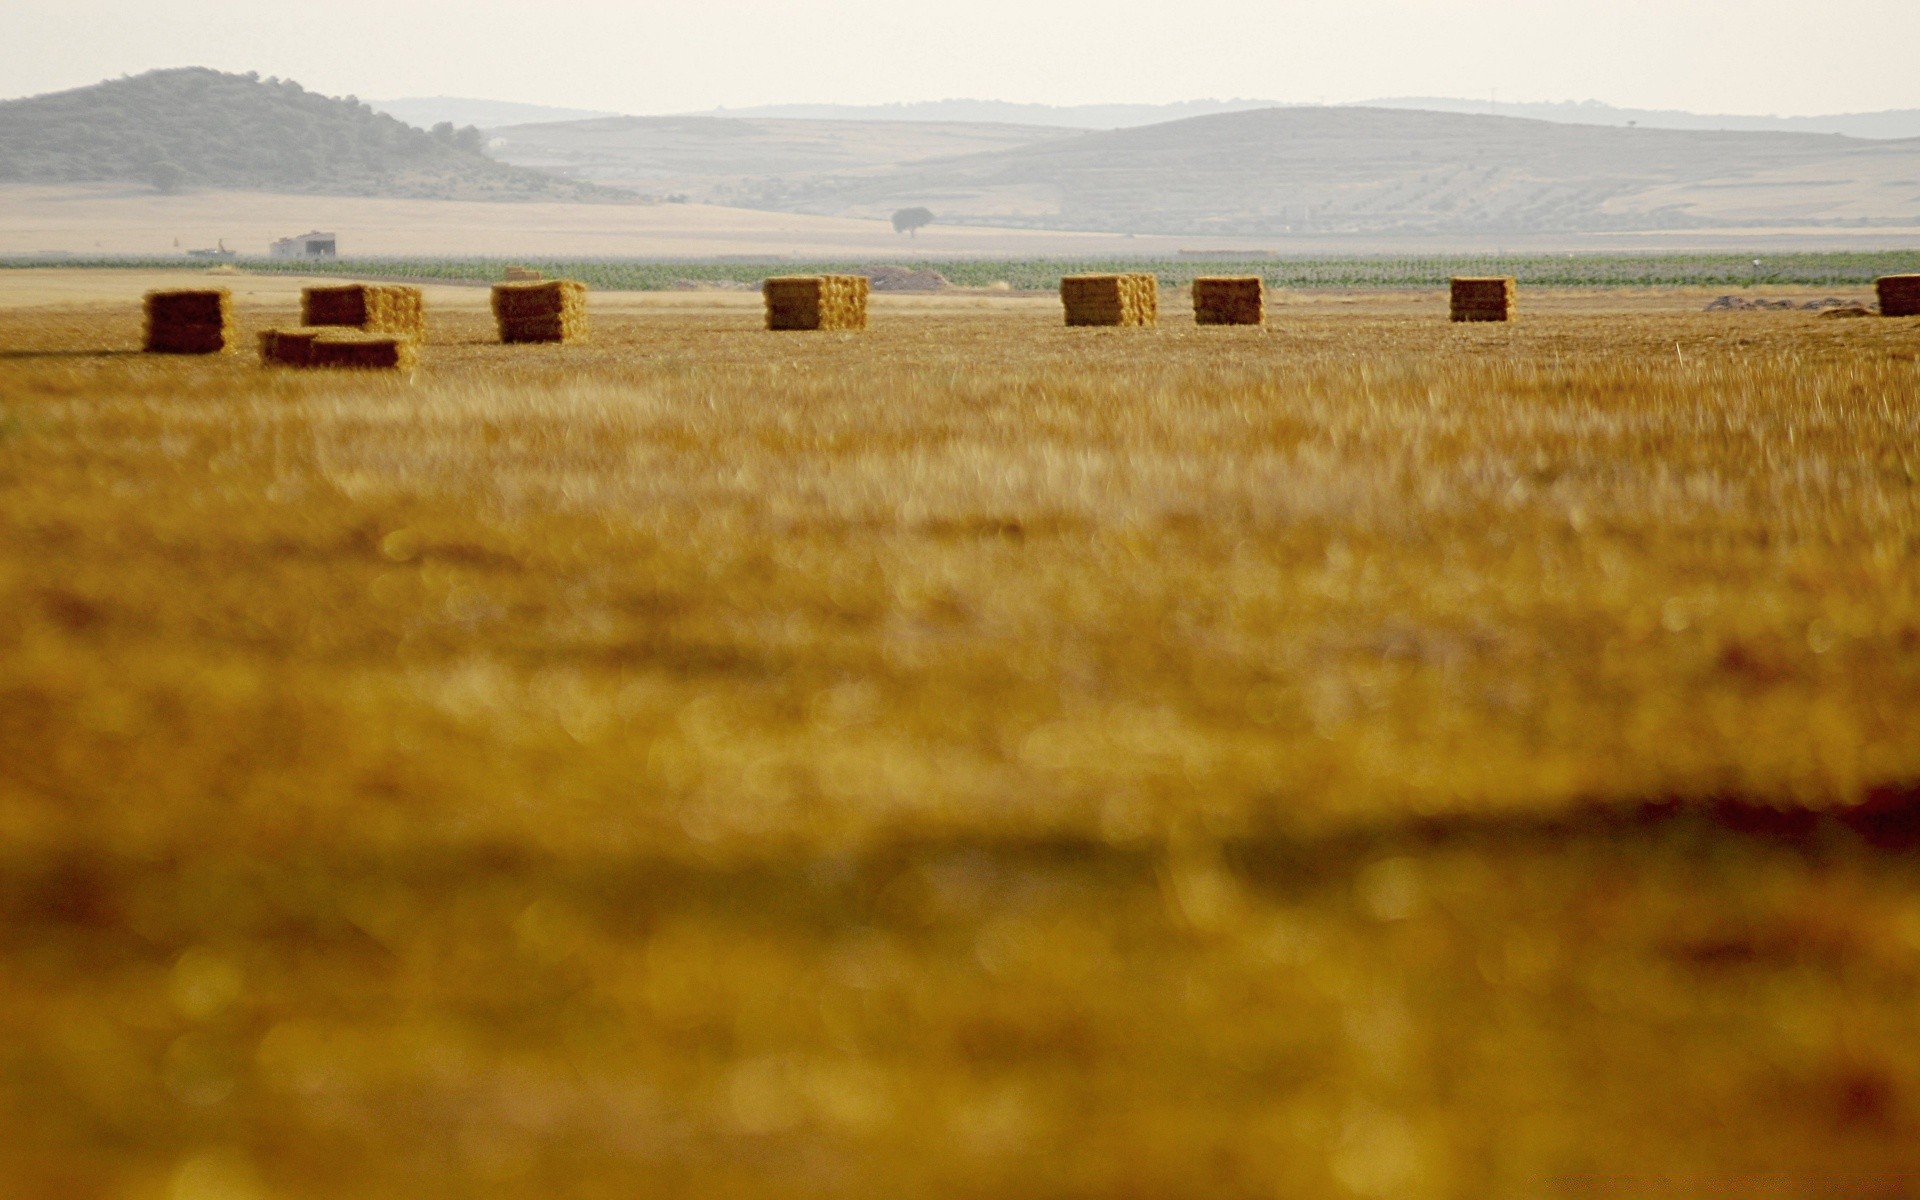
(1366, 756)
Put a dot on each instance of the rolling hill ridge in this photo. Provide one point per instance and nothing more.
(193, 128)
(1368, 170)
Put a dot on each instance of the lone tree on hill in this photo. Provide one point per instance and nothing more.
(166, 177)
(908, 220)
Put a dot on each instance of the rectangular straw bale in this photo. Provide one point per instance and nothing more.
(554, 310)
(1132, 299)
(559, 327)
(363, 351)
(373, 307)
(187, 339)
(1146, 296)
(287, 347)
(1483, 298)
(522, 275)
(816, 301)
(545, 298)
(1229, 300)
(1899, 295)
(209, 306)
(196, 321)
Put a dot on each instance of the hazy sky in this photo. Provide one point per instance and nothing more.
(1755, 56)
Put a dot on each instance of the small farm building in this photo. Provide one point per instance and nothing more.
(307, 245)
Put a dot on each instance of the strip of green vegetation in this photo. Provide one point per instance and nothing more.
(1043, 274)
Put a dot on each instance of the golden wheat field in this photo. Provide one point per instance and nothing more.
(1364, 756)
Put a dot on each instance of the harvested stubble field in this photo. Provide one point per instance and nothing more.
(973, 757)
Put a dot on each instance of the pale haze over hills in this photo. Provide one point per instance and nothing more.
(1262, 173)
(428, 111)
(425, 111)
(1762, 56)
(1091, 122)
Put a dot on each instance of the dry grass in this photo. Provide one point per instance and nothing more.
(973, 757)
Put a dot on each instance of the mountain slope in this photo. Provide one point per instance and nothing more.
(1892, 123)
(1001, 112)
(193, 128)
(1367, 170)
(427, 111)
(729, 160)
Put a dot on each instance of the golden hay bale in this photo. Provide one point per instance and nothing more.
(1483, 298)
(201, 306)
(551, 311)
(1229, 300)
(1147, 293)
(1899, 295)
(362, 351)
(189, 321)
(816, 301)
(557, 328)
(1131, 299)
(522, 275)
(187, 339)
(373, 307)
(287, 347)
(545, 298)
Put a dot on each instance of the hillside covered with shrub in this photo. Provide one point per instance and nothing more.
(192, 128)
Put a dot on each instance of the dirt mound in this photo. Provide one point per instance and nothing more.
(1743, 304)
(905, 279)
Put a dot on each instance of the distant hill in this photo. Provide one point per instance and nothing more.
(1370, 170)
(493, 114)
(428, 111)
(755, 163)
(1074, 116)
(196, 128)
(1893, 123)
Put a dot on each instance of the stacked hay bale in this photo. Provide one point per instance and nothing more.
(553, 311)
(1899, 295)
(287, 347)
(1132, 299)
(189, 322)
(1229, 300)
(1485, 298)
(373, 307)
(364, 351)
(336, 347)
(816, 301)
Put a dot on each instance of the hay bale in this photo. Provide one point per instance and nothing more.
(1484, 298)
(1132, 299)
(189, 321)
(1229, 300)
(372, 307)
(361, 351)
(554, 310)
(816, 301)
(1899, 295)
(287, 347)
(522, 275)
